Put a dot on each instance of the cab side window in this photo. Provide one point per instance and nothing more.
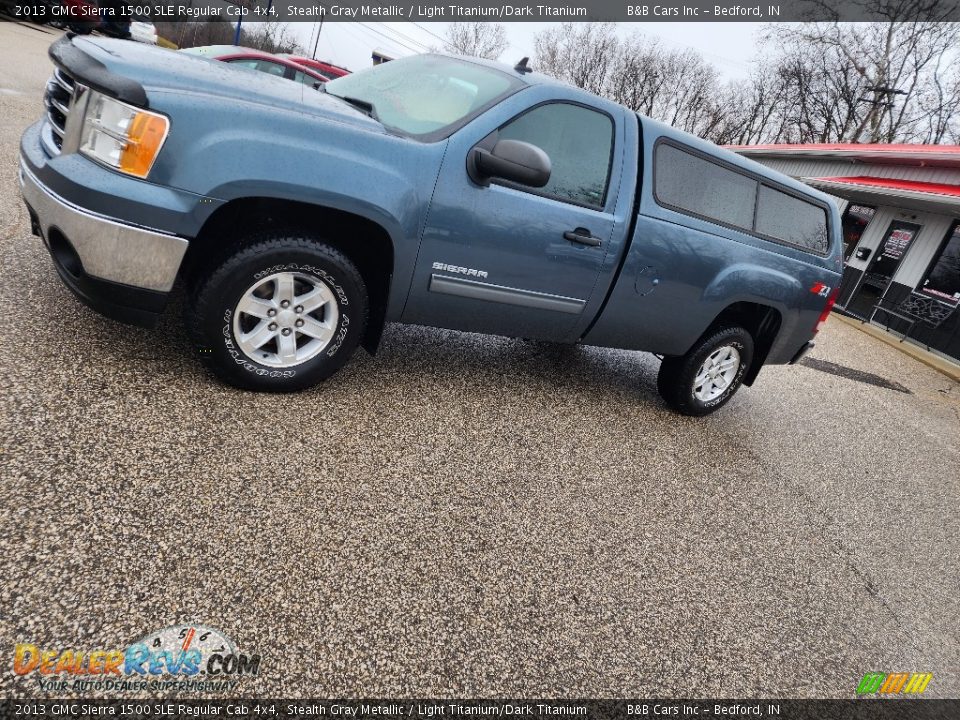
(579, 142)
(792, 220)
(687, 182)
(700, 187)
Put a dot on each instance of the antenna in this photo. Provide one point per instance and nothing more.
(522, 67)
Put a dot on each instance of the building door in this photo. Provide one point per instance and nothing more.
(886, 259)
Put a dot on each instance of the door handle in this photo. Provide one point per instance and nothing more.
(582, 236)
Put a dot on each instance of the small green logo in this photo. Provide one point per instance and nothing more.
(894, 683)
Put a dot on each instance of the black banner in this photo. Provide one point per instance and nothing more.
(866, 709)
(493, 11)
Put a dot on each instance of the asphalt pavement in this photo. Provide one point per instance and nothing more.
(465, 515)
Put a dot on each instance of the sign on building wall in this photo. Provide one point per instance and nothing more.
(897, 243)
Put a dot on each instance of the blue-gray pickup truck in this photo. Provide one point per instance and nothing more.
(435, 190)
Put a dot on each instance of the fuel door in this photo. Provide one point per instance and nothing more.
(647, 279)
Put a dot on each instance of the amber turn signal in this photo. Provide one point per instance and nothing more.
(144, 138)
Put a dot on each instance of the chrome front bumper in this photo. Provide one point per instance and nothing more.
(107, 249)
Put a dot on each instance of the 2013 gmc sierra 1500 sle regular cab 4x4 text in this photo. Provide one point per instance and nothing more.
(442, 191)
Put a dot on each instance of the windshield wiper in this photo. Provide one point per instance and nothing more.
(364, 105)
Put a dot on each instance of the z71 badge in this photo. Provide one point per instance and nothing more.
(821, 289)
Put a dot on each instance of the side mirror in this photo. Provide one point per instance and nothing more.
(512, 160)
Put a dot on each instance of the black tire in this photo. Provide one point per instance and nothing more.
(678, 374)
(216, 293)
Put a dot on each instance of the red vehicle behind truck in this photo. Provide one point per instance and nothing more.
(328, 70)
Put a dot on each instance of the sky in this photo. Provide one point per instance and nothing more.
(728, 46)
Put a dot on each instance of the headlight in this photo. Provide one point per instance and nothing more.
(122, 136)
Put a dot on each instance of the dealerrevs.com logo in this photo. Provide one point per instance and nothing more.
(180, 657)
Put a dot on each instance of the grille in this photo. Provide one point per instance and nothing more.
(57, 100)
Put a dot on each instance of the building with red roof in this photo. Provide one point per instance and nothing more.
(901, 231)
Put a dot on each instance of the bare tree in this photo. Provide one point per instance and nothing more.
(897, 80)
(892, 81)
(940, 105)
(692, 105)
(821, 98)
(754, 111)
(274, 37)
(638, 79)
(888, 64)
(480, 39)
(582, 54)
(677, 87)
(209, 31)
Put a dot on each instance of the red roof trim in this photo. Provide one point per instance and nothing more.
(893, 184)
(852, 148)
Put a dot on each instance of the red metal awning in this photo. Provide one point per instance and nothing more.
(904, 154)
(894, 149)
(892, 186)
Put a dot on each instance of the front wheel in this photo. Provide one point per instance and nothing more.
(708, 375)
(282, 314)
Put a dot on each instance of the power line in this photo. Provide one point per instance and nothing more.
(431, 32)
(407, 37)
(387, 37)
(379, 34)
(371, 32)
(350, 31)
(334, 48)
(353, 30)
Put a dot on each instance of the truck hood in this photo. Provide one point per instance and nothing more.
(133, 72)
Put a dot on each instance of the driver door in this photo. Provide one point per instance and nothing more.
(497, 259)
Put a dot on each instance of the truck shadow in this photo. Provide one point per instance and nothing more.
(410, 359)
(469, 359)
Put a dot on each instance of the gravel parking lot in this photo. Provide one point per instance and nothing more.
(464, 515)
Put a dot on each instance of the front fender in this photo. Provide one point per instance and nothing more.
(276, 189)
(235, 149)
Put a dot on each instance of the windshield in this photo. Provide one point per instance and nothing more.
(424, 94)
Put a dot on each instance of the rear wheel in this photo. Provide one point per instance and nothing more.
(282, 314)
(707, 376)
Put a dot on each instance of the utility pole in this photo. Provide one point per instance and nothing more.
(236, 37)
(183, 29)
(319, 30)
